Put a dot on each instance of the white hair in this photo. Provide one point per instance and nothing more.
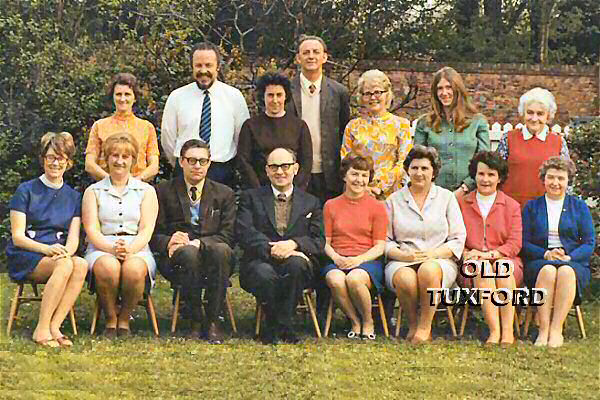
(538, 95)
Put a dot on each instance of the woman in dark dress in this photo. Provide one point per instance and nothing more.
(45, 219)
(558, 242)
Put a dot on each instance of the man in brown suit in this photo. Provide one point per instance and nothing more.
(194, 233)
(324, 105)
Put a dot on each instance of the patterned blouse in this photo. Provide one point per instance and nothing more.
(387, 140)
(142, 130)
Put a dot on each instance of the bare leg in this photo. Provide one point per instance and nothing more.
(564, 294)
(55, 273)
(429, 275)
(359, 283)
(405, 282)
(507, 313)
(107, 272)
(133, 279)
(546, 280)
(336, 280)
(490, 311)
(72, 290)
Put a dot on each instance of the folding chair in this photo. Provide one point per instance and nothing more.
(377, 304)
(176, 304)
(574, 312)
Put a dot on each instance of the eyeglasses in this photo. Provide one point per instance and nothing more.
(376, 93)
(51, 158)
(194, 160)
(284, 167)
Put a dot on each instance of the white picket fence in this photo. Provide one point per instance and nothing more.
(497, 130)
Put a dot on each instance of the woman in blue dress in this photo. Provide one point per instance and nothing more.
(558, 242)
(45, 219)
(119, 214)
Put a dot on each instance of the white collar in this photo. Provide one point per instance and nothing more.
(542, 135)
(489, 199)
(287, 193)
(210, 90)
(306, 83)
(51, 185)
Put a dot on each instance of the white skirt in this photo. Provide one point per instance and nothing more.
(449, 272)
(92, 254)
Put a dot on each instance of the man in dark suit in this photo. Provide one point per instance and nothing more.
(194, 233)
(324, 105)
(279, 227)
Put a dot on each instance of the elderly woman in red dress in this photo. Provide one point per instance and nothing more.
(494, 233)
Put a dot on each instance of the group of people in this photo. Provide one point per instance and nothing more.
(358, 204)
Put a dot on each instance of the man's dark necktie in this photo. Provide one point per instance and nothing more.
(312, 88)
(281, 197)
(194, 194)
(205, 119)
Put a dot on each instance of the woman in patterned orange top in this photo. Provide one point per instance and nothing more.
(124, 91)
(379, 134)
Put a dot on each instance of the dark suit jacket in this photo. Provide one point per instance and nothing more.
(217, 208)
(255, 226)
(335, 114)
(575, 229)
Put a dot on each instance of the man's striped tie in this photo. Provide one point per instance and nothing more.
(205, 119)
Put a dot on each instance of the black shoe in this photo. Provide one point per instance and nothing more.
(288, 336)
(268, 336)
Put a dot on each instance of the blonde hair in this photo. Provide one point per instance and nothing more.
(377, 77)
(61, 142)
(125, 140)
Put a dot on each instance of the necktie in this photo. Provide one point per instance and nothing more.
(312, 88)
(194, 194)
(281, 197)
(205, 119)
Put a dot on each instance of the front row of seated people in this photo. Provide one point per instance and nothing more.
(416, 240)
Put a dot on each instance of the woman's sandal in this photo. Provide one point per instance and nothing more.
(50, 342)
(64, 341)
(353, 335)
(369, 336)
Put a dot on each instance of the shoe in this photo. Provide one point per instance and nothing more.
(50, 343)
(268, 336)
(368, 336)
(353, 335)
(123, 332)
(215, 334)
(110, 333)
(289, 337)
(64, 341)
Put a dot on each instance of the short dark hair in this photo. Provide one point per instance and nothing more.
(123, 78)
(272, 78)
(206, 46)
(304, 38)
(559, 163)
(493, 161)
(292, 152)
(194, 144)
(419, 151)
(358, 162)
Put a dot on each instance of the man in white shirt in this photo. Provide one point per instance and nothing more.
(206, 109)
(325, 107)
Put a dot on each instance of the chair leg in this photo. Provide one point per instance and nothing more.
(528, 317)
(175, 310)
(398, 320)
(258, 317)
(73, 321)
(580, 321)
(329, 316)
(230, 312)
(14, 308)
(463, 321)
(451, 319)
(313, 315)
(517, 322)
(152, 315)
(382, 316)
(95, 316)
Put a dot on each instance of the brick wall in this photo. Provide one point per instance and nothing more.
(496, 88)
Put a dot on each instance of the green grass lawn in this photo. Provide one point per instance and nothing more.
(172, 367)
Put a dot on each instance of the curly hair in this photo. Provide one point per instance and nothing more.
(493, 161)
(123, 78)
(561, 164)
(358, 162)
(272, 78)
(419, 151)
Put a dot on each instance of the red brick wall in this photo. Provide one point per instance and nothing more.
(496, 88)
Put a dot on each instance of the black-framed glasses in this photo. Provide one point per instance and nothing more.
(284, 167)
(51, 158)
(376, 93)
(194, 160)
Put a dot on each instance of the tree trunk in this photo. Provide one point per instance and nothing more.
(541, 14)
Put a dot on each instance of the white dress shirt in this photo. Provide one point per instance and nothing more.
(183, 111)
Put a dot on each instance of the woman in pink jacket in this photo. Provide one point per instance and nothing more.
(494, 233)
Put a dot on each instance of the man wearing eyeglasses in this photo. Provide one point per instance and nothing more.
(324, 104)
(194, 235)
(279, 227)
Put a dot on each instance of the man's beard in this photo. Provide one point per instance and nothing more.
(201, 85)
